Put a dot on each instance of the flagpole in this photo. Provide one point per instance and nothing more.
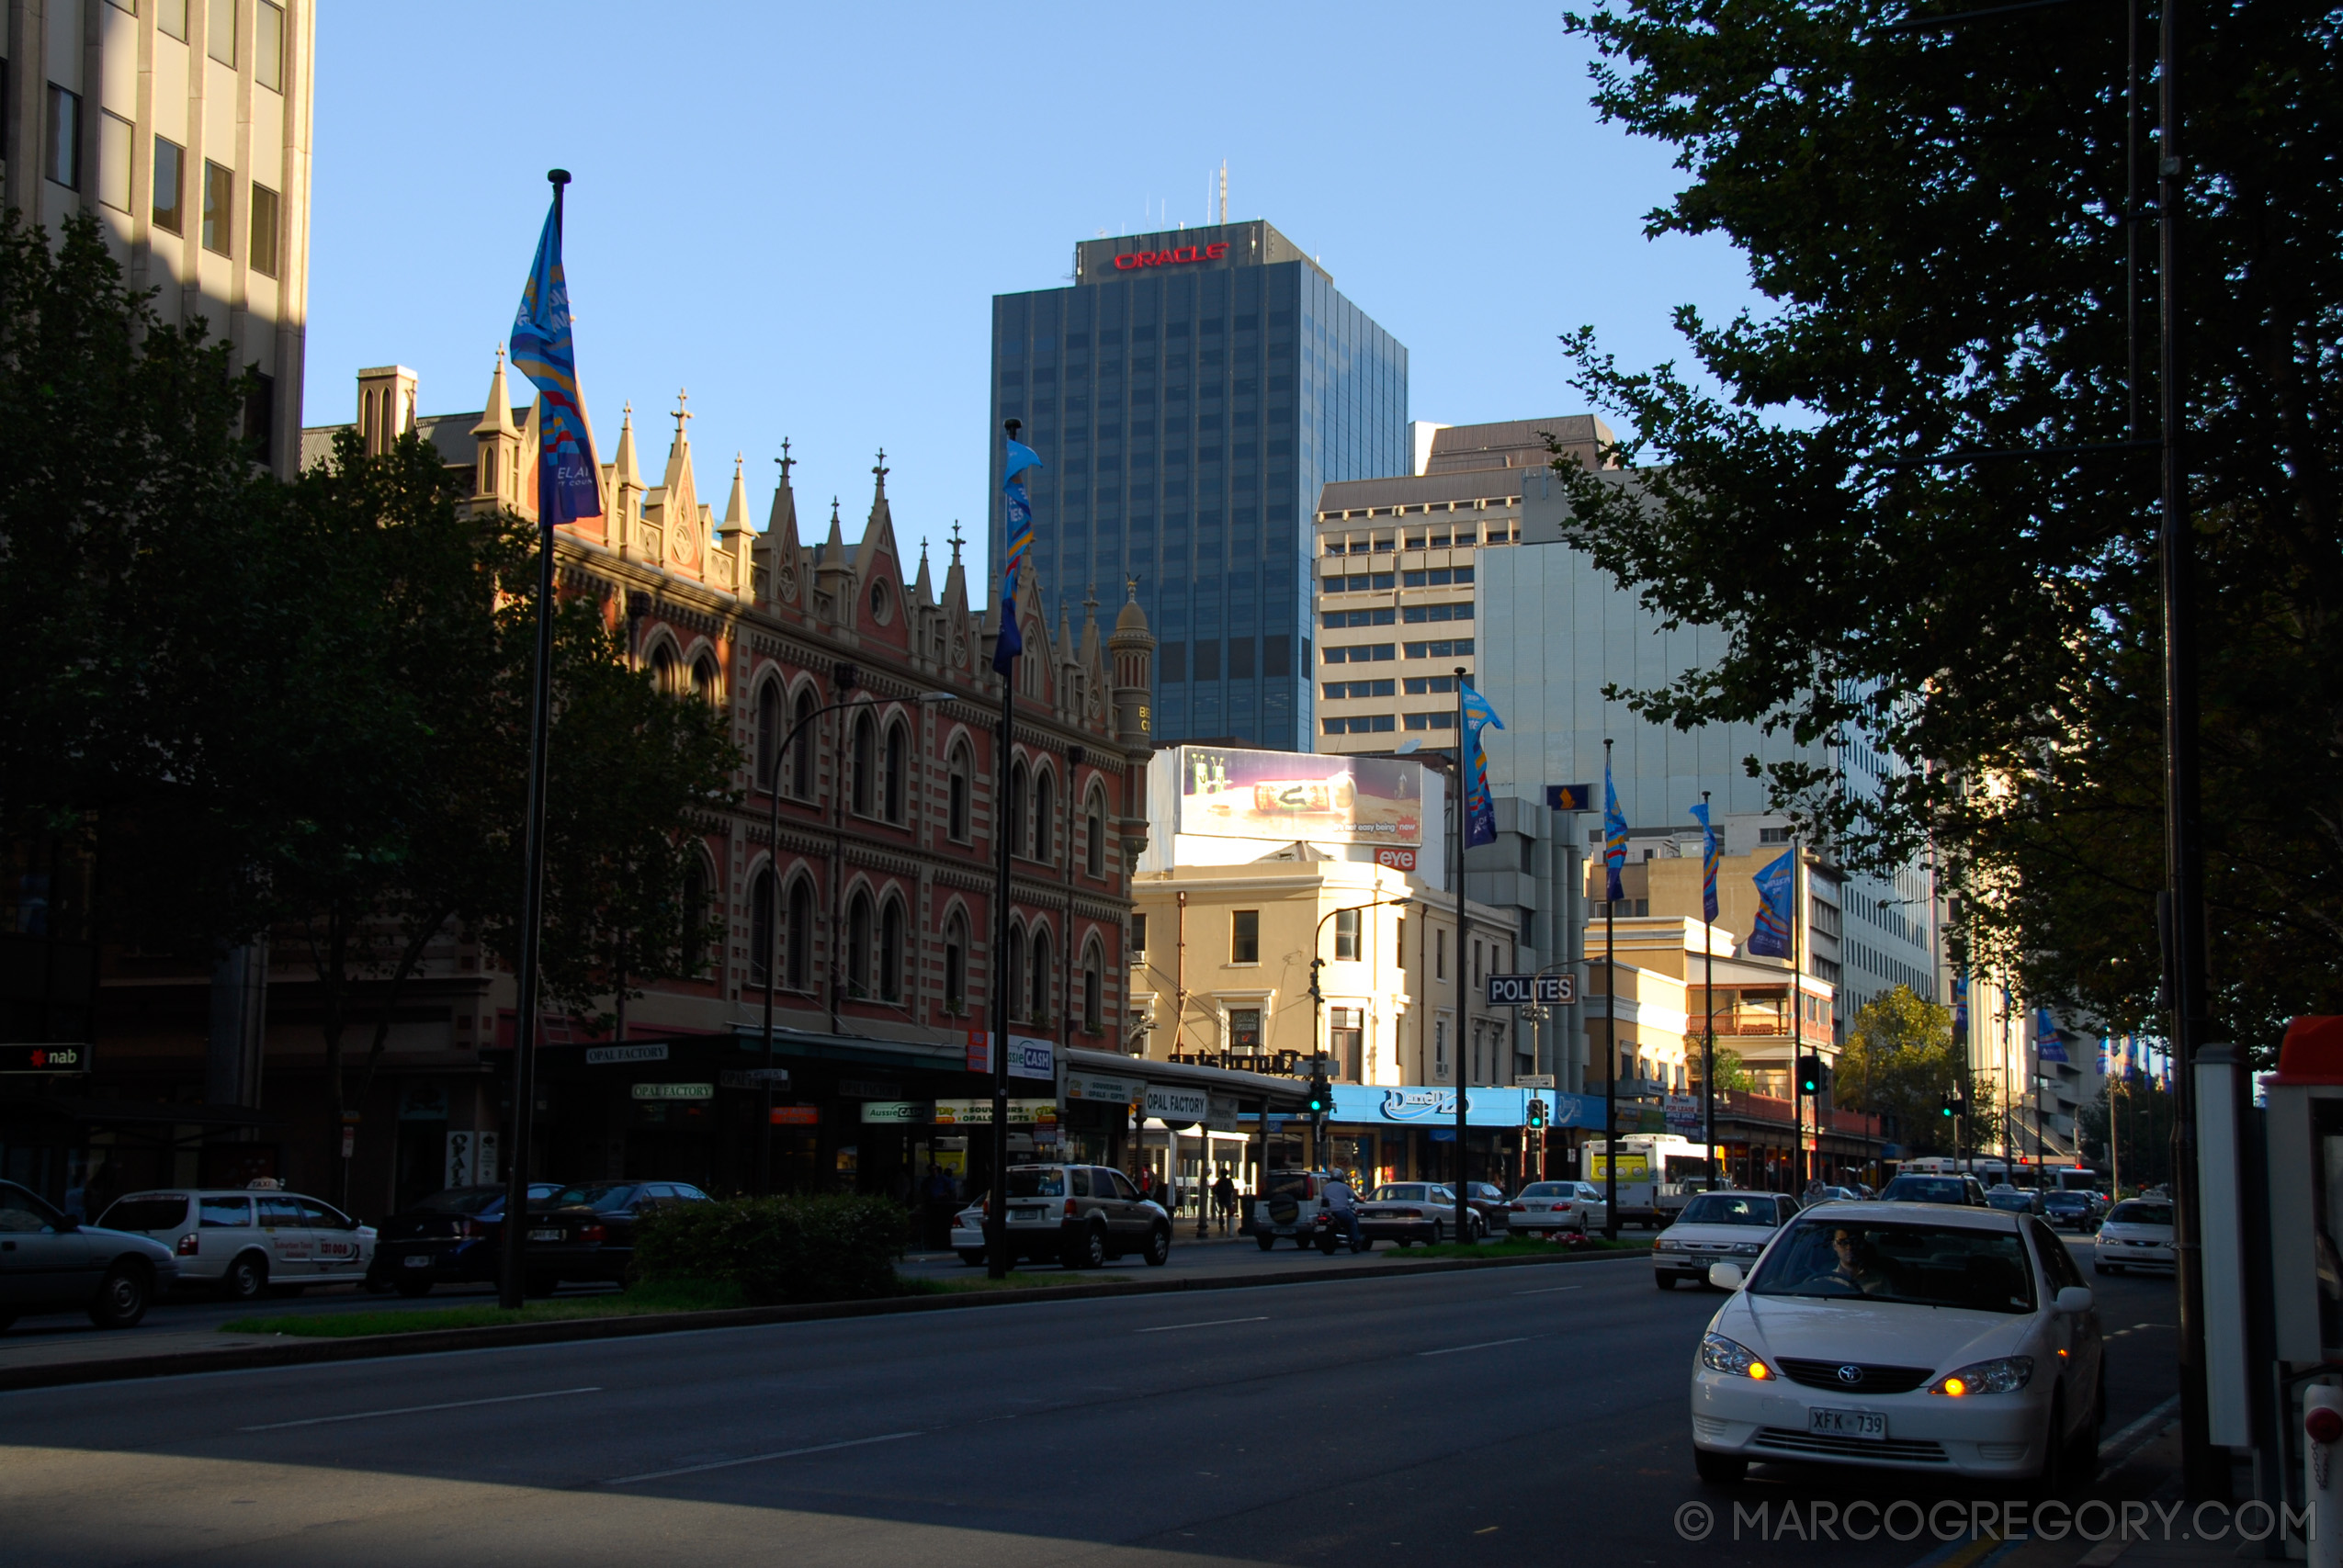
(1798, 1039)
(1708, 965)
(1464, 975)
(510, 1285)
(996, 1219)
(1609, 1021)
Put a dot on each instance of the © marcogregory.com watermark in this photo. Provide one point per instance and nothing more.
(1951, 1519)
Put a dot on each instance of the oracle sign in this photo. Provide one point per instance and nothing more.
(1131, 259)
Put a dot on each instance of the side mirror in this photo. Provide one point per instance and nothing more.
(2074, 1299)
(1725, 1276)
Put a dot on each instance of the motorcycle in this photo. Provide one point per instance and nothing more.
(1326, 1231)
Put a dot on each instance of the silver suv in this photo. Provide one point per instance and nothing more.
(1079, 1215)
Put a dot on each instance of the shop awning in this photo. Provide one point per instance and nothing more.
(1253, 1090)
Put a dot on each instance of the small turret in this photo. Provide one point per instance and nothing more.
(497, 473)
(1133, 647)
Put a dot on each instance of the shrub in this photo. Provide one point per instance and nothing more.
(775, 1249)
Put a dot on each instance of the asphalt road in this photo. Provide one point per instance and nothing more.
(1502, 1416)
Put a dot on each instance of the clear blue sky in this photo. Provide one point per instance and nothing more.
(802, 213)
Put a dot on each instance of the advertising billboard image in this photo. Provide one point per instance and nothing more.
(1285, 795)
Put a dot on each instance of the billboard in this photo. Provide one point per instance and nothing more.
(1285, 795)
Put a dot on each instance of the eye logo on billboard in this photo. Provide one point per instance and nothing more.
(1129, 260)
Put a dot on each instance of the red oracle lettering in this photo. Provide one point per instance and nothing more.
(1129, 260)
(1216, 250)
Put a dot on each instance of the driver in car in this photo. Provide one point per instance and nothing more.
(1856, 1266)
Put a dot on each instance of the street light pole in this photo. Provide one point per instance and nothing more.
(1464, 983)
(1708, 1036)
(1610, 1034)
(996, 1219)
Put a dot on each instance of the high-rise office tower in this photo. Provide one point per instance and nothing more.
(1190, 393)
(183, 125)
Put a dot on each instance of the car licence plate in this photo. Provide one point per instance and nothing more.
(545, 1236)
(1025, 1213)
(417, 1260)
(1869, 1423)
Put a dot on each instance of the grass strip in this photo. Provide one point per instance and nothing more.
(630, 1302)
(1522, 1249)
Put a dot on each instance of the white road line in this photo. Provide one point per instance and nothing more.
(1548, 1290)
(1214, 1323)
(1484, 1344)
(759, 1458)
(2116, 1451)
(417, 1409)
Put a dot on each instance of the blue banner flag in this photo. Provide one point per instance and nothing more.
(1710, 853)
(1018, 528)
(1771, 936)
(568, 485)
(1481, 811)
(1615, 839)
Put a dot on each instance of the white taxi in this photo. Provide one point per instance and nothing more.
(1907, 1337)
(242, 1241)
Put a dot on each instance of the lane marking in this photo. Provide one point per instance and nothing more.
(759, 1458)
(1548, 1290)
(1214, 1323)
(1484, 1344)
(416, 1409)
(2117, 1450)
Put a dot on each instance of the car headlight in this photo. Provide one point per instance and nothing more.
(1749, 1249)
(2007, 1375)
(1719, 1354)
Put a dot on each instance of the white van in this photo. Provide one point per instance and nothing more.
(242, 1242)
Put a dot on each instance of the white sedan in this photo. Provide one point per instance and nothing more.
(1907, 1336)
(1714, 1227)
(2137, 1233)
(1543, 1208)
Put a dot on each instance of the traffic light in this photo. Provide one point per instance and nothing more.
(1321, 1096)
(1813, 1076)
(1537, 1112)
(1950, 1107)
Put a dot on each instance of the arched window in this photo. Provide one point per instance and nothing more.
(704, 678)
(956, 821)
(1094, 837)
(801, 753)
(761, 933)
(899, 749)
(662, 667)
(858, 946)
(1013, 815)
(768, 734)
(1044, 816)
(955, 964)
(865, 764)
(890, 952)
(1093, 995)
(694, 923)
(1011, 973)
(1041, 975)
(800, 967)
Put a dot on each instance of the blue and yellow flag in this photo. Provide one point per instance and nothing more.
(1771, 936)
(567, 483)
(1614, 837)
(1481, 811)
(1709, 855)
(1019, 530)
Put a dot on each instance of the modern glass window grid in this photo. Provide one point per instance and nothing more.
(170, 185)
(266, 213)
(64, 138)
(219, 205)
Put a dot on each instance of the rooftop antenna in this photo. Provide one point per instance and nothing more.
(1224, 190)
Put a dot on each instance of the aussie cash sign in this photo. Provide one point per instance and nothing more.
(1032, 1058)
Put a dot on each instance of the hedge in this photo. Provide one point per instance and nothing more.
(777, 1250)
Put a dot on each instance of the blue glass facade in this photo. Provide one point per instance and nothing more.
(1189, 413)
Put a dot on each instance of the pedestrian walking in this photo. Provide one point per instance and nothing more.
(1224, 1200)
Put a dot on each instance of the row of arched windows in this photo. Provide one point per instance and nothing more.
(877, 951)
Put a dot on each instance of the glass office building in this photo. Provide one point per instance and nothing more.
(1190, 393)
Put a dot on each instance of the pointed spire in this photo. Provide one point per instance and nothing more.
(956, 576)
(628, 471)
(836, 544)
(682, 413)
(1090, 648)
(955, 541)
(923, 586)
(498, 418)
(881, 469)
(736, 508)
(781, 523)
(1065, 631)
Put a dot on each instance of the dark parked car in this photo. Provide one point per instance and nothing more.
(2075, 1211)
(586, 1232)
(52, 1262)
(2014, 1200)
(1492, 1206)
(448, 1238)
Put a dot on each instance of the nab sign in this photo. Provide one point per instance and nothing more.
(1522, 990)
(46, 1058)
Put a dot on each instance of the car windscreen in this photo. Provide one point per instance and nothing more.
(1547, 1189)
(1037, 1183)
(1923, 1265)
(2017, 1202)
(1287, 1184)
(146, 1215)
(2139, 1213)
(600, 1195)
(2067, 1200)
(1723, 1209)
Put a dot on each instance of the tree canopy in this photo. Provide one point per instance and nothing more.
(1937, 220)
(1900, 1062)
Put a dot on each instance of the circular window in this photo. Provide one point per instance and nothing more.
(878, 601)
